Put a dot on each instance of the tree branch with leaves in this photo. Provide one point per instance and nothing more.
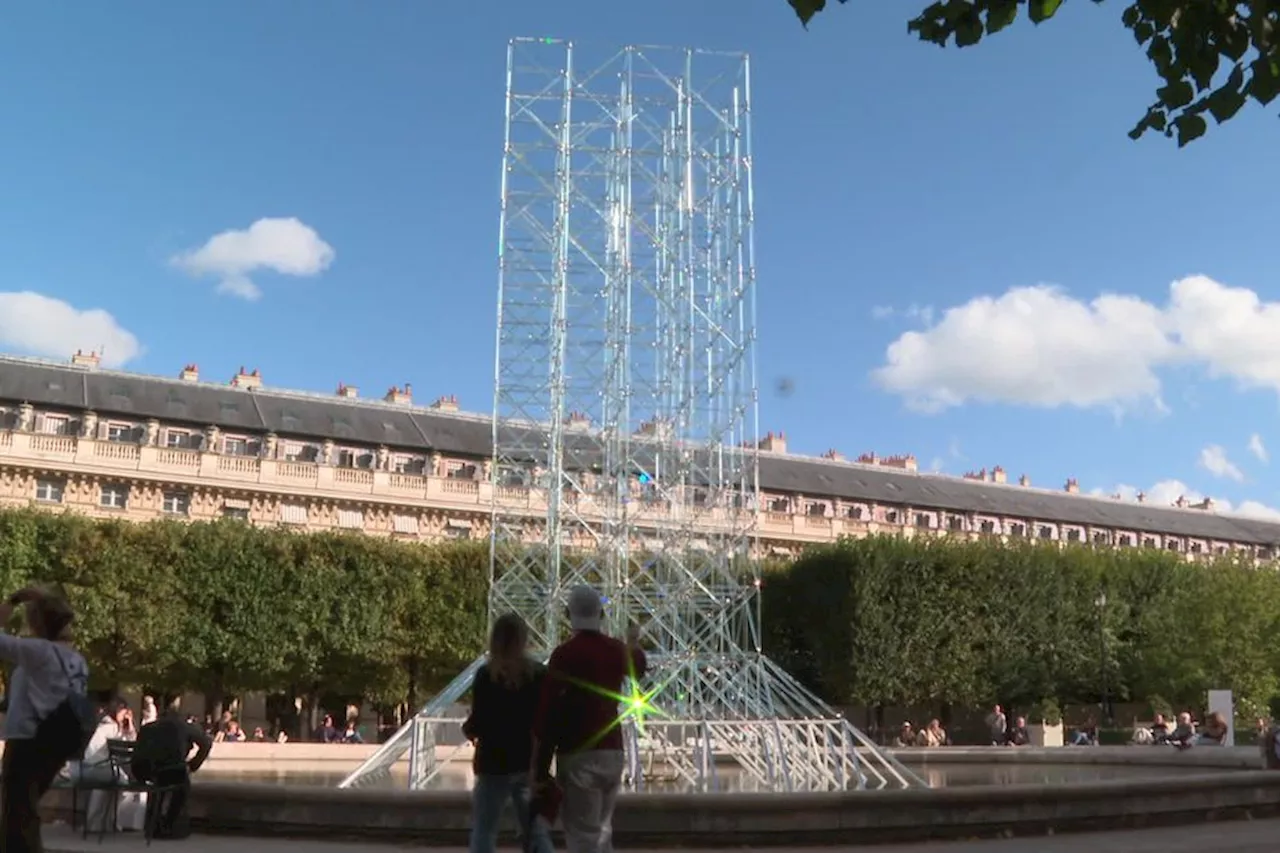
(1212, 56)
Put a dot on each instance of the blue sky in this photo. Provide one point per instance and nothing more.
(896, 183)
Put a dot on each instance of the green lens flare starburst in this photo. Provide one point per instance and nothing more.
(636, 704)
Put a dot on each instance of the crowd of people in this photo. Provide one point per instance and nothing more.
(1185, 733)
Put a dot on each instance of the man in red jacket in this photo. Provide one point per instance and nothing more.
(578, 721)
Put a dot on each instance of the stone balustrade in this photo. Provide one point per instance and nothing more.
(782, 529)
(198, 469)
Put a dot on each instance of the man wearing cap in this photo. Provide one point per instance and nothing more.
(577, 721)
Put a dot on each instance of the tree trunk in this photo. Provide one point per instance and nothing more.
(411, 695)
(214, 698)
(310, 711)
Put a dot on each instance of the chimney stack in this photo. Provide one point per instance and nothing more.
(446, 404)
(998, 475)
(1206, 504)
(656, 427)
(247, 381)
(1141, 497)
(906, 463)
(834, 455)
(1073, 486)
(774, 442)
(980, 476)
(348, 391)
(88, 359)
(1024, 481)
(579, 421)
(190, 373)
(1182, 502)
(868, 459)
(399, 395)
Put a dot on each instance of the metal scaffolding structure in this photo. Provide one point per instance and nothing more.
(625, 419)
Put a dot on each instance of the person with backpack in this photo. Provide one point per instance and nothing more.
(50, 719)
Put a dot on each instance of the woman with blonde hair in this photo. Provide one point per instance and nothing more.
(504, 697)
(46, 703)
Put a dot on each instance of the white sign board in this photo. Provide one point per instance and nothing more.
(1221, 702)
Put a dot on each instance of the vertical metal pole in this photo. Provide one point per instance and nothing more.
(559, 350)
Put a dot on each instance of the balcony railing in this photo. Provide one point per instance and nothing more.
(197, 468)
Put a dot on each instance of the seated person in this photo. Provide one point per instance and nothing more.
(328, 732)
(95, 770)
(1214, 732)
(1160, 729)
(164, 756)
(932, 735)
(906, 737)
(1184, 735)
(1017, 734)
(1086, 735)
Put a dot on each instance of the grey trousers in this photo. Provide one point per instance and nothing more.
(590, 782)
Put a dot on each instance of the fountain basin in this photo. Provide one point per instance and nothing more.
(1165, 787)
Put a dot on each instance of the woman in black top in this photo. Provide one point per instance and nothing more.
(504, 696)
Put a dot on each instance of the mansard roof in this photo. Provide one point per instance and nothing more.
(370, 422)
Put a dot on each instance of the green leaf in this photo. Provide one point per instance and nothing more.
(1189, 128)
(1142, 32)
(806, 9)
(1264, 85)
(1227, 99)
(1160, 52)
(1042, 10)
(968, 31)
(1001, 14)
(1175, 96)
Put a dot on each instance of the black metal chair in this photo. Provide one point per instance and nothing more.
(85, 779)
(120, 753)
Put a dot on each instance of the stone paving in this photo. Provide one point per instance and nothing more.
(1261, 836)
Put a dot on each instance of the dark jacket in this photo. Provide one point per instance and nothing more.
(167, 743)
(501, 722)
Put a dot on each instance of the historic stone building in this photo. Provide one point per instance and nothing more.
(111, 444)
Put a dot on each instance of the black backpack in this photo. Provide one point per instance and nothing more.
(66, 732)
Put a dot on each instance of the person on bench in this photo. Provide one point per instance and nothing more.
(164, 758)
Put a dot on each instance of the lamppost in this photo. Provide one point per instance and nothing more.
(1101, 603)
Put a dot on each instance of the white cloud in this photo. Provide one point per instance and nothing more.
(284, 246)
(918, 313)
(1214, 460)
(1167, 492)
(1039, 346)
(1033, 345)
(41, 325)
(1258, 449)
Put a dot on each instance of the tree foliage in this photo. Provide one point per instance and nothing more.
(226, 608)
(894, 621)
(1212, 56)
